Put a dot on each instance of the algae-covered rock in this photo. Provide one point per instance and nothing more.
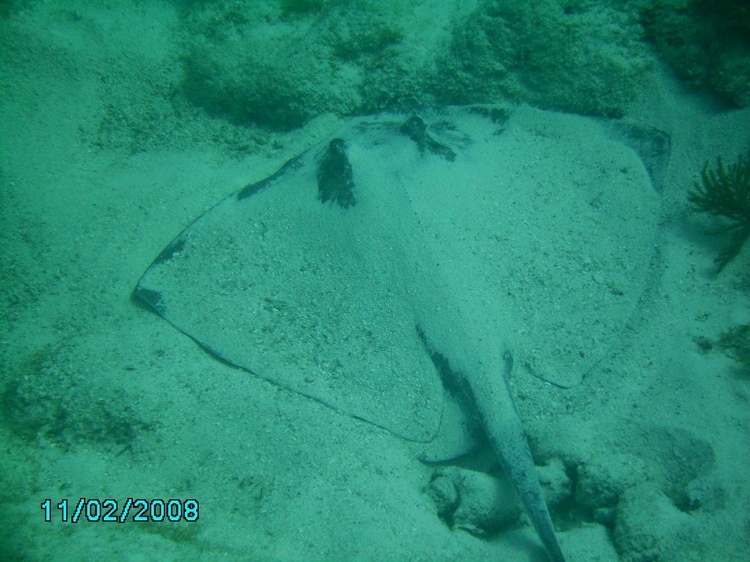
(280, 63)
(707, 42)
(581, 56)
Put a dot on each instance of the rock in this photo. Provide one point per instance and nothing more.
(603, 479)
(473, 501)
(647, 525)
(589, 542)
(555, 483)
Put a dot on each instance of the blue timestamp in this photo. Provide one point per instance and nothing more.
(111, 511)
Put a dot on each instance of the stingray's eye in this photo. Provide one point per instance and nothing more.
(414, 128)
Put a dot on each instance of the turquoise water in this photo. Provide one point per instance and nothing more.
(544, 242)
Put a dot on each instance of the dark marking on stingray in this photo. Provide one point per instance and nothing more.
(175, 247)
(416, 130)
(253, 188)
(335, 177)
(152, 298)
(497, 114)
(457, 389)
(451, 379)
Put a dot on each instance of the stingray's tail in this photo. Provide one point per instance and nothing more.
(504, 430)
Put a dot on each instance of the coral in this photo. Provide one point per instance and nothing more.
(725, 191)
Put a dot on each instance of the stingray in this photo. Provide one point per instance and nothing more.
(401, 270)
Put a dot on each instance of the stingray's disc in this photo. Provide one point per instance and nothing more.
(530, 228)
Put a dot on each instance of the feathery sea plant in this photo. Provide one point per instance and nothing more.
(725, 192)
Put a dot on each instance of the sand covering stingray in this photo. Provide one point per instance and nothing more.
(535, 228)
(399, 270)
